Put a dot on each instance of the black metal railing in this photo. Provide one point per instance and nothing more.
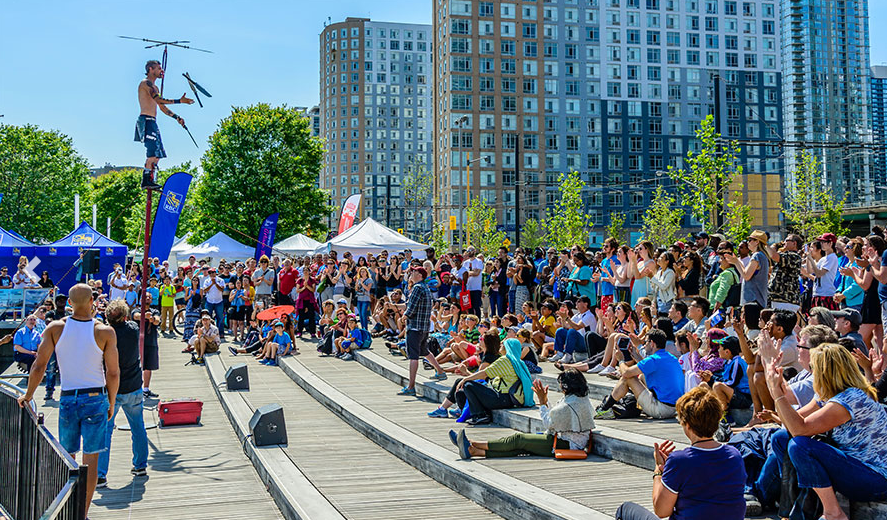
(39, 480)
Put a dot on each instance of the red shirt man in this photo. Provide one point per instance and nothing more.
(287, 277)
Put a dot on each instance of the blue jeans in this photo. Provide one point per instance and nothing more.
(83, 416)
(51, 373)
(632, 511)
(821, 465)
(132, 408)
(512, 294)
(363, 310)
(569, 341)
(219, 310)
(494, 303)
(767, 487)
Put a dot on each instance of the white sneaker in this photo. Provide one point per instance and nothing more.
(556, 357)
(597, 368)
(608, 370)
(568, 358)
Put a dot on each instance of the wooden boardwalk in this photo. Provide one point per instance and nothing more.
(361, 479)
(598, 483)
(194, 472)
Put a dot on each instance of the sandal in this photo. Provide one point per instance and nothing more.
(558, 365)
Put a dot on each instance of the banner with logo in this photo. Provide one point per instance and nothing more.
(266, 236)
(166, 218)
(349, 211)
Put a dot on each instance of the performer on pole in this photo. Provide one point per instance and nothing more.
(147, 130)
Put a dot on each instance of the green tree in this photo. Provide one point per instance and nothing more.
(705, 183)
(439, 238)
(40, 171)
(533, 234)
(261, 160)
(616, 229)
(737, 219)
(417, 188)
(809, 206)
(481, 227)
(662, 220)
(567, 222)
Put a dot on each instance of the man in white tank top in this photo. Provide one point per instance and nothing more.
(83, 347)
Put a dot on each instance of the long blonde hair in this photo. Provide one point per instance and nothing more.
(835, 370)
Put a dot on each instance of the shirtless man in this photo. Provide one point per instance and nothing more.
(146, 126)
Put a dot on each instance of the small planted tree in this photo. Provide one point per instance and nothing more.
(481, 227)
(662, 220)
(809, 206)
(567, 222)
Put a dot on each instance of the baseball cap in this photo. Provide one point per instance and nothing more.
(278, 322)
(514, 329)
(420, 270)
(701, 234)
(851, 315)
(212, 269)
(828, 237)
(341, 301)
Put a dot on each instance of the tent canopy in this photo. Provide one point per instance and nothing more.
(370, 236)
(12, 247)
(58, 257)
(297, 244)
(217, 247)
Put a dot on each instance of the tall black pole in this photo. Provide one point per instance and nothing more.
(719, 216)
(388, 202)
(517, 191)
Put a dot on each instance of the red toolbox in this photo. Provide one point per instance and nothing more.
(179, 411)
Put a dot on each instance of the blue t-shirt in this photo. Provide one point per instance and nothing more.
(608, 265)
(356, 337)
(709, 483)
(664, 376)
(882, 287)
(584, 273)
(735, 375)
(864, 436)
(155, 295)
(283, 339)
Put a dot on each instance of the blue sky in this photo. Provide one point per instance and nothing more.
(64, 67)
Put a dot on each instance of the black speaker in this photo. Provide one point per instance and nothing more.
(90, 261)
(267, 425)
(237, 378)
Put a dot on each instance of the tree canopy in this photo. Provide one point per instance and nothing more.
(39, 174)
(261, 160)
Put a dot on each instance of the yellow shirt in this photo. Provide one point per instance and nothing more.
(502, 377)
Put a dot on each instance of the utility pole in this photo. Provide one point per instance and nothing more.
(388, 201)
(517, 190)
(719, 214)
(467, 196)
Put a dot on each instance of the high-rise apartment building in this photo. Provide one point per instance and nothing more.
(879, 127)
(375, 115)
(613, 89)
(826, 89)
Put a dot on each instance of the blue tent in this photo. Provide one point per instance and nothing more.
(58, 257)
(12, 247)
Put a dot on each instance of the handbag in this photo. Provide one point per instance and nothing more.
(464, 299)
(568, 454)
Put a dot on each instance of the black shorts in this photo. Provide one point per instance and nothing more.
(180, 301)
(740, 401)
(236, 314)
(152, 357)
(417, 344)
(148, 132)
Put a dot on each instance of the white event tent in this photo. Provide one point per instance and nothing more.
(370, 236)
(297, 245)
(217, 247)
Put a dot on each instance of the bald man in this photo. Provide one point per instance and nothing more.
(86, 353)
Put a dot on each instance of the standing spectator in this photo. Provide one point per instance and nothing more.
(117, 284)
(418, 324)
(129, 393)
(151, 361)
(329, 276)
(784, 288)
(871, 329)
(306, 302)
(523, 278)
(193, 304)
(642, 269)
(470, 277)
(286, 282)
(756, 272)
(5, 279)
(663, 282)
(211, 289)
(363, 286)
(236, 310)
(608, 267)
(86, 352)
(263, 280)
(21, 279)
(167, 305)
(822, 268)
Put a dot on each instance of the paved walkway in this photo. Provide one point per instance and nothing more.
(194, 472)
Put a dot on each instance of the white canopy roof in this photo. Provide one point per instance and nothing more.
(370, 236)
(297, 244)
(218, 246)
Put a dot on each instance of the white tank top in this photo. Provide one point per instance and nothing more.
(79, 357)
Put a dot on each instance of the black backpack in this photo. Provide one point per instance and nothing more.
(733, 295)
